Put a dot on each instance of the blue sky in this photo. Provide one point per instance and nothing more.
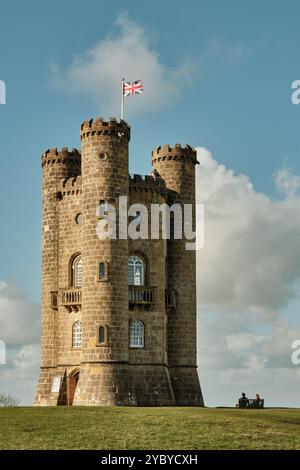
(224, 83)
(239, 108)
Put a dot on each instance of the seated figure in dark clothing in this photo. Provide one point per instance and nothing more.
(243, 401)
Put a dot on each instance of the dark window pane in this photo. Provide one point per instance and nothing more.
(101, 270)
(101, 334)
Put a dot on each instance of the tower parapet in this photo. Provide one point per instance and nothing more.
(177, 153)
(149, 183)
(67, 162)
(112, 128)
(176, 165)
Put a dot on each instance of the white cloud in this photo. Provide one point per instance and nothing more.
(251, 257)
(98, 71)
(286, 182)
(237, 342)
(20, 375)
(19, 318)
(248, 273)
(19, 329)
(27, 358)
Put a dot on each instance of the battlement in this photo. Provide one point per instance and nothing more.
(165, 153)
(112, 127)
(69, 187)
(139, 183)
(61, 156)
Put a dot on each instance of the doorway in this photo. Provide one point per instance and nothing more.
(73, 381)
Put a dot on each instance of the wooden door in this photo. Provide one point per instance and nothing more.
(73, 380)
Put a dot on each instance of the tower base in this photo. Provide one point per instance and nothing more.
(45, 396)
(103, 384)
(152, 385)
(186, 386)
(118, 384)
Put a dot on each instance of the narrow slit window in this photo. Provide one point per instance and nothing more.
(102, 335)
(102, 270)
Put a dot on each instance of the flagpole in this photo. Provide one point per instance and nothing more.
(122, 101)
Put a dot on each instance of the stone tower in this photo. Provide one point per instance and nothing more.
(177, 168)
(118, 314)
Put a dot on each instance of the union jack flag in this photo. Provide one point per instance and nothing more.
(133, 88)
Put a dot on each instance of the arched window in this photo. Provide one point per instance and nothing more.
(77, 334)
(136, 334)
(136, 271)
(77, 272)
(103, 270)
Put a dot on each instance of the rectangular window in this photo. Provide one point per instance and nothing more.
(102, 267)
(136, 334)
(102, 334)
(54, 303)
(102, 273)
(136, 341)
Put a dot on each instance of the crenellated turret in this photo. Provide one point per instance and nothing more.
(67, 162)
(57, 165)
(104, 179)
(176, 166)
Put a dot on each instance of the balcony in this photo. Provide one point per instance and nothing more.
(137, 295)
(71, 298)
(141, 295)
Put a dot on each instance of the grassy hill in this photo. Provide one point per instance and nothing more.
(148, 428)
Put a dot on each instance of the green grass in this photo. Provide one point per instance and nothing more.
(148, 428)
